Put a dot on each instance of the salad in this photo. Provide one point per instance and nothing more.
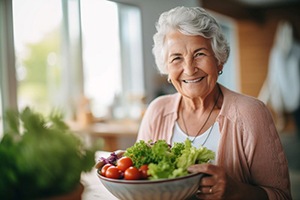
(154, 160)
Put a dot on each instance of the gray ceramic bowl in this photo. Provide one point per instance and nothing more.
(163, 189)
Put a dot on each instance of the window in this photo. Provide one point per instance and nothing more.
(101, 53)
(37, 38)
(112, 56)
(66, 50)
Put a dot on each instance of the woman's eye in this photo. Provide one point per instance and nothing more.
(175, 59)
(199, 54)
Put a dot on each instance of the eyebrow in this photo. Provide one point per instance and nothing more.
(201, 48)
(179, 54)
(175, 54)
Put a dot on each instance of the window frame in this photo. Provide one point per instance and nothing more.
(8, 83)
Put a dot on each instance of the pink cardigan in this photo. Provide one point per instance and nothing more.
(250, 148)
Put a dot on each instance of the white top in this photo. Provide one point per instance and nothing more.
(212, 138)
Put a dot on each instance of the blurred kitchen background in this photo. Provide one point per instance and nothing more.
(92, 60)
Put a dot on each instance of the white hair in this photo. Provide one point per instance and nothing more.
(189, 21)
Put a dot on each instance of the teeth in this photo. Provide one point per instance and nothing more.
(193, 81)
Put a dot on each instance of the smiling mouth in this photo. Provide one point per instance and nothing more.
(194, 80)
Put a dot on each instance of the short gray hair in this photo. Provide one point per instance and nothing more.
(189, 21)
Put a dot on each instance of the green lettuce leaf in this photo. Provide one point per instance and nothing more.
(166, 161)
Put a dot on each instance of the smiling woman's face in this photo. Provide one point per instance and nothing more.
(192, 66)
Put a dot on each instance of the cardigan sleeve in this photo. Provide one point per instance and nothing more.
(145, 129)
(264, 152)
(250, 148)
(150, 128)
(159, 119)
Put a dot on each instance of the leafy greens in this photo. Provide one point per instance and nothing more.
(40, 156)
(166, 161)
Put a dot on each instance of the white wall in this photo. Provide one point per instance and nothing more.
(151, 9)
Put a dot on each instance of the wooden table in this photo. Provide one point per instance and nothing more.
(93, 188)
(110, 132)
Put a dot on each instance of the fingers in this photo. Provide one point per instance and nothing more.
(203, 168)
(209, 185)
(206, 185)
(207, 181)
(205, 193)
(195, 168)
(209, 170)
(205, 190)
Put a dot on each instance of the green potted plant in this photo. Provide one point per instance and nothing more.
(40, 157)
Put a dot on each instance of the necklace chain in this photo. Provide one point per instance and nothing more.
(203, 123)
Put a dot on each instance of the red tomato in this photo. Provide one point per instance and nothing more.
(132, 173)
(124, 163)
(143, 171)
(113, 172)
(104, 168)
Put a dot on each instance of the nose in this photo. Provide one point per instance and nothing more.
(190, 68)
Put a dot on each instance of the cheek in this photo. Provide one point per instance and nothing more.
(210, 67)
(173, 71)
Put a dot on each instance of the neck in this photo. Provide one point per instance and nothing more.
(200, 105)
(195, 118)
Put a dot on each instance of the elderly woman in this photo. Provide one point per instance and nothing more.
(250, 163)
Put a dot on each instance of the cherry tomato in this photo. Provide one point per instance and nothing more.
(143, 171)
(132, 173)
(124, 163)
(113, 172)
(104, 168)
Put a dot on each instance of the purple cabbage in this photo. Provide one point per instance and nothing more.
(112, 159)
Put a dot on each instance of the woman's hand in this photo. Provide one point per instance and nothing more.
(217, 184)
